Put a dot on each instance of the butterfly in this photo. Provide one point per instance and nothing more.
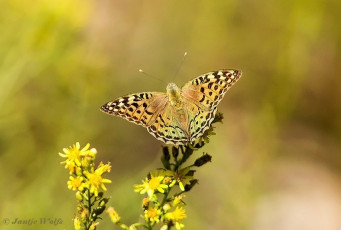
(181, 115)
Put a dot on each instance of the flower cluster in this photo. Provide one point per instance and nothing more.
(168, 210)
(87, 181)
(165, 188)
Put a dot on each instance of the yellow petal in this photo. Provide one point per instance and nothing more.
(181, 186)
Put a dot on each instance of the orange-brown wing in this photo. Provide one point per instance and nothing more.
(152, 111)
(168, 127)
(139, 108)
(207, 90)
(202, 96)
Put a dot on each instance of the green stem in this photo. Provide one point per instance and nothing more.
(89, 206)
(165, 197)
(141, 224)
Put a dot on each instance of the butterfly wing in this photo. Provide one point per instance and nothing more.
(199, 120)
(139, 108)
(202, 96)
(207, 90)
(152, 111)
(168, 127)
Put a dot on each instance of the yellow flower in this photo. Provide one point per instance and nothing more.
(181, 178)
(95, 180)
(93, 226)
(102, 168)
(177, 215)
(115, 218)
(166, 207)
(168, 180)
(151, 185)
(141, 188)
(152, 215)
(155, 184)
(75, 183)
(79, 196)
(84, 213)
(132, 227)
(145, 203)
(177, 199)
(179, 226)
(76, 223)
(164, 227)
(74, 155)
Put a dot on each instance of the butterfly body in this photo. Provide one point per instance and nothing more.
(181, 115)
(174, 95)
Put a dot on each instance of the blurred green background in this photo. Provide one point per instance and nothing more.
(276, 158)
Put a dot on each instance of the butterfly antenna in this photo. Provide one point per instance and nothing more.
(141, 71)
(180, 65)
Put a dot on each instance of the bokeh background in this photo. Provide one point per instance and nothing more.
(276, 158)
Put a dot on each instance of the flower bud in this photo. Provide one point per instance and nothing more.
(132, 227)
(191, 185)
(175, 152)
(166, 207)
(145, 203)
(165, 152)
(165, 157)
(79, 171)
(103, 201)
(115, 218)
(99, 210)
(76, 223)
(218, 117)
(202, 160)
(100, 195)
(164, 227)
(93, 226)
(178, 199)
(199, 145)
(79, 196)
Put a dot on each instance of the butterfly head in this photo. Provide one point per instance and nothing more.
(174, 94)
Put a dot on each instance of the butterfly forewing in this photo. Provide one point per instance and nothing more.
(208, 90)
(139, 108)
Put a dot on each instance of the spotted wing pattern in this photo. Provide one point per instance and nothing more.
(153, 111)
(168, 129)
(139, 108)
(199, 120)
(202, 96)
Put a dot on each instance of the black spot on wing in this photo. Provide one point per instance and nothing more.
(202, 99)
(149, 113)
(135, 104)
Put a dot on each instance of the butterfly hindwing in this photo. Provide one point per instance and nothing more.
(167, 128)
(199, 120)
(202, 96)
(139, 108)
